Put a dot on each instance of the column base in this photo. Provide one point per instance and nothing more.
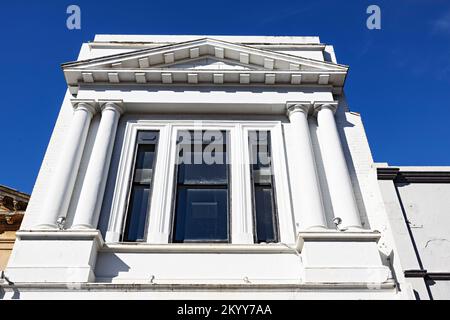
(318, 228)
(47, 226)
(342, 257)
(82, 227)
(54, 256)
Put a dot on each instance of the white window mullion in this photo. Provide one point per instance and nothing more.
(157, 231)
(284, 208)
(241, 216)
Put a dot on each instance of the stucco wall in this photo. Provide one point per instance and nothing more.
(417, 200)
(427, 207)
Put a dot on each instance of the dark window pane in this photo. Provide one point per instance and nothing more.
(200, 174)
(265, 220)
(148, 137)
(259, 149)
(264, 214)
(202, 163)
(139, 206)
(144, 164)
(137, 214)
(201, 211)
(201, 214)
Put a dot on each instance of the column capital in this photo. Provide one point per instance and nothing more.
(83, 104)
(319, 105)
(116, 105)
(298, 106)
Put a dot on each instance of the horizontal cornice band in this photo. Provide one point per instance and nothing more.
(399, 176)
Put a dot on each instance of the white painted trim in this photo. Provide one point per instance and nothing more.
(199, 248)
(127, 287)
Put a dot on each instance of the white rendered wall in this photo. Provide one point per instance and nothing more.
(427, 206)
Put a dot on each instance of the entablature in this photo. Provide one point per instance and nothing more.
(205, 61)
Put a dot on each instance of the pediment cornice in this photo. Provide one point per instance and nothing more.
(172, 64)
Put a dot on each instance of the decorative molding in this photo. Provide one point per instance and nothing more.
(10, 221)
(296, 79)
(155, 61)
(270, 78)
(198, 248)
(113, 77)
(166, 78)
(194, 53)
(140, 77)
(169, 57)
(331, 235)
(323, 79)
(140, 287)
(90, 105)
(218, 78)
(305, 106)
(88, 77)
(144, 63)
(269, 63)
(244, 78)
(338, 236)
(244, 58)
(192, 78)
(319, 105)
(219, 53)
(116, 104)
(205, 47)
(58, 235)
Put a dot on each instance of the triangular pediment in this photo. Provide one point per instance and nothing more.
(170, 54)
(208, 61)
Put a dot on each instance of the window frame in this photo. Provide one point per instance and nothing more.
(240, 205)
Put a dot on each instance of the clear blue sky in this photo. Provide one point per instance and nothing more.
(399, 77)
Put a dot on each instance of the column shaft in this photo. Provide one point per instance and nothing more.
(63, 181)
(336, 170)
(307, 197)
(91, 196)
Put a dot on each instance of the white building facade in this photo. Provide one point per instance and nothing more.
(114, 214)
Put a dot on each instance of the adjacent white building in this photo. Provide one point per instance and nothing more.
(114, 214)
(417, 201)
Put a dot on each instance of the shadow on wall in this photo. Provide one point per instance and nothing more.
(109, 266)
(343, 123)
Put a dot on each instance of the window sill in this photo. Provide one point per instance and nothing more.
(198, 248)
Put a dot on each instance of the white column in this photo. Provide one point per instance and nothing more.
(336, 170)
(91, 196)
(307, 197)
(61, 188)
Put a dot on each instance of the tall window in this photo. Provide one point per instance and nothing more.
(140, 195)
(202, 190)
(264, 206)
